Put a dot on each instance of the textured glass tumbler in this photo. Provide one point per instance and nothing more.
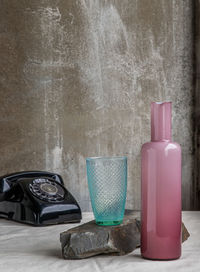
(107, 181)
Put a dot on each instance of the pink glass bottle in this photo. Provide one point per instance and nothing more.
(161, 189)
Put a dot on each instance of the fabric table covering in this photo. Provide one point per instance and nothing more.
(27, 248)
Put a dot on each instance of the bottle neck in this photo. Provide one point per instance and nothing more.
(160, 121)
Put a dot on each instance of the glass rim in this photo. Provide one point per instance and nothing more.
(106, 158)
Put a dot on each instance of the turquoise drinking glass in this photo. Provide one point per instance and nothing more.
(107, 182)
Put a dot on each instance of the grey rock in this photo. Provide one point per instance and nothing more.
(89, 239)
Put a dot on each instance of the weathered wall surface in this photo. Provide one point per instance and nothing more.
(77, 79)
(196, 180)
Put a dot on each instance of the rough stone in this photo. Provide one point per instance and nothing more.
(89, 239)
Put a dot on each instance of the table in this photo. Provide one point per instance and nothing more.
(27, 248)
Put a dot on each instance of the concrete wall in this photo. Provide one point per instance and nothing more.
(77, 79)
(196, 180)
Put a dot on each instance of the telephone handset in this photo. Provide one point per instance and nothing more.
(6, 182)
(38, 198)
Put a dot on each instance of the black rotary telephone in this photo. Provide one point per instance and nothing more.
(37, 198)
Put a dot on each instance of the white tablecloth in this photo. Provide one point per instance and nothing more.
(26, 248)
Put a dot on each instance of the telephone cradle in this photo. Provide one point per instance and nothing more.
(38, 198)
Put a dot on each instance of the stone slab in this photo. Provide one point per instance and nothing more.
(89, 239)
